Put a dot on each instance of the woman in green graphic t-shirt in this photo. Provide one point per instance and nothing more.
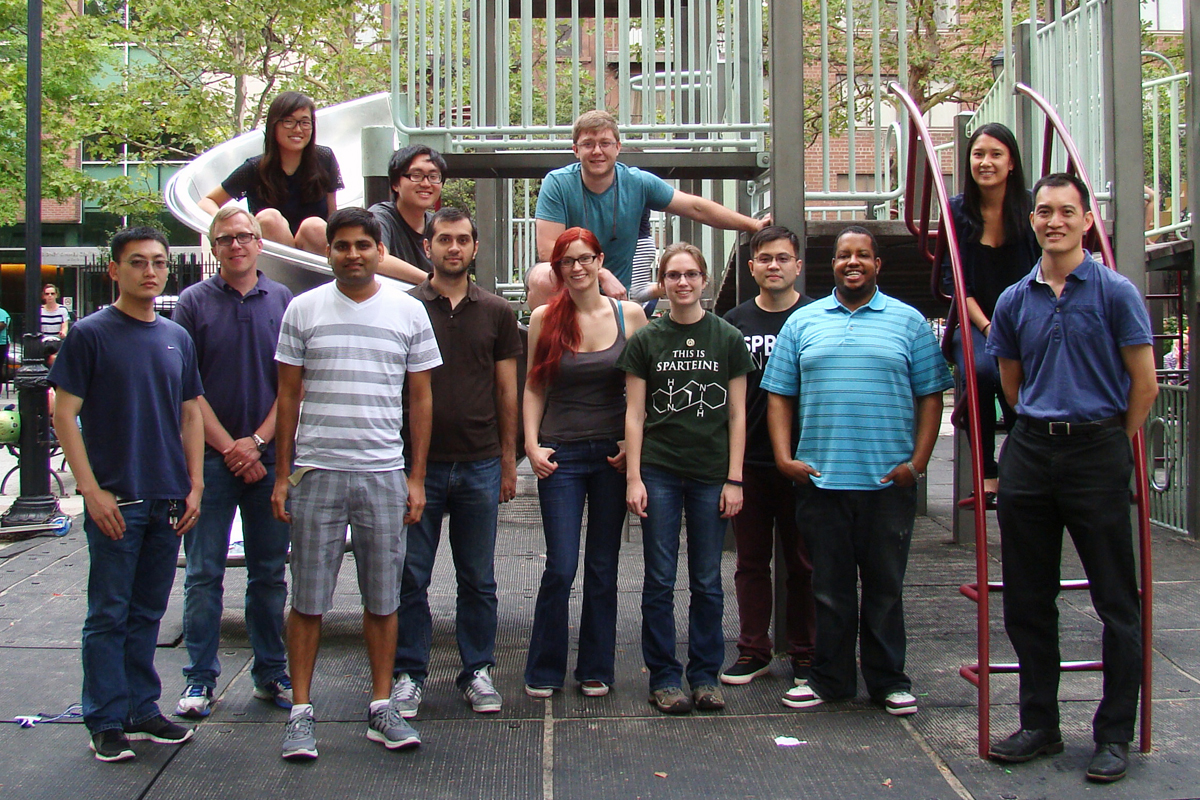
(685, 429)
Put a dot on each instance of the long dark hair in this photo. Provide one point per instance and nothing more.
(560, 325)
(314, 181)
(1016, 195)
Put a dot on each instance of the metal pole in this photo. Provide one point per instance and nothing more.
(1191, 41)
(1123, 85)
(35, 504)
(787, 120)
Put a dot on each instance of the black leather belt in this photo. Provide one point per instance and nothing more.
(1055, 428)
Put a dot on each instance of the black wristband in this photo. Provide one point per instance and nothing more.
(732, 482)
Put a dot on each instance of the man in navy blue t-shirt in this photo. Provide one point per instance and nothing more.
(128, 417)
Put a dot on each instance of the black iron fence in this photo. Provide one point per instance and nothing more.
(97, 290)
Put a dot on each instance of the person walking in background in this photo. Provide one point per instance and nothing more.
(55, 318)
(574, 436)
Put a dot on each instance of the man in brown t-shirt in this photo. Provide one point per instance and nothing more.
(472, 465)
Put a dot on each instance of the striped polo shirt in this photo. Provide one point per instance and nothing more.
(856, 374)
(355, 356)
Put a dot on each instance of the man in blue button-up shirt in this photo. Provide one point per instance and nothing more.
(234, 318)
(1074, 346)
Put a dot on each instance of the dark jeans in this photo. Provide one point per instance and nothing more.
(853, 536)
(583, 475)
(129, 583)
(769, 504)
(207, 545)
(1080, 482)
(668, 497)
(469, 491)
(987, 378)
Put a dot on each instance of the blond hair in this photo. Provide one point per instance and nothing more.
(595, 120)
(685, 248)
(229, 211)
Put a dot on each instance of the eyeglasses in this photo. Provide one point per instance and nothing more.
(291, 123)
(141, 263)
(691, 276)
(603, 144)
(766, 259)
(585, 260)
(241, 238)
(420, 177)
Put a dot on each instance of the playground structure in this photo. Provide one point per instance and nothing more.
(688, 83)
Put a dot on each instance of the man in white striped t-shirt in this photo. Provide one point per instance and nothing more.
(348, 347)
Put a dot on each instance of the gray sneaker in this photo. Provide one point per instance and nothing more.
(406, 696)
(482, 694)
(386, 726)
(299, 743)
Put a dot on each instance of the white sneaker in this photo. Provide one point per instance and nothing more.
(801, 697)
(195, 702)
(482, 694)
(900, 704)
(406, 696)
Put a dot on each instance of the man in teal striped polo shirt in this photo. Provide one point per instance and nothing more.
(868, 376)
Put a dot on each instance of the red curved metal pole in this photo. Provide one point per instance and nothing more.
(935, 185)
(1054, 125)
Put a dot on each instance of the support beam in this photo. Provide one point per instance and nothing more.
(1123, 87)
(1191, 43)
(787, 118)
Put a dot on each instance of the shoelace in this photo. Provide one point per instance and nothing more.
(300, 727)
(391, 717)
(482, 683)
(406, 690)
(195, 690)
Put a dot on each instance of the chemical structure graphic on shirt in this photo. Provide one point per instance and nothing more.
(693, 394)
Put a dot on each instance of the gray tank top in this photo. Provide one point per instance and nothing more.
(587, 399)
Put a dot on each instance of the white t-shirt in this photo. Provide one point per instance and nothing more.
(355, 356)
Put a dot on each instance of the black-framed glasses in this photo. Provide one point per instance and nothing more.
(291, 123)
(419, 177)
(585, 260)
(766, 259)
(241, 238)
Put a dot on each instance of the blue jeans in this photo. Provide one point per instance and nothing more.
(129, 583)
(583, 474)
(469, 491)
(852, 536)
(668, 496)
(206, 545)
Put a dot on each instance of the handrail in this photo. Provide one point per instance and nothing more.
(947, 241)
(1099, 238)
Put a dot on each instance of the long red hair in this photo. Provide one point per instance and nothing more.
(560, 325)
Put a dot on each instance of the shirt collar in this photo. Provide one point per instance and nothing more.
(1083, 272)
(258, 284)
(425, 290)
(878, 302)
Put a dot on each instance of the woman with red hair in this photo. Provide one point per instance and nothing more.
(574, 416)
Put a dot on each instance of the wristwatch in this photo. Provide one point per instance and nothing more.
(259, 442)
(913, 469)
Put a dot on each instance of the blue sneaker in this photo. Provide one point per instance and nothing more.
(278, 691)
(195, 702)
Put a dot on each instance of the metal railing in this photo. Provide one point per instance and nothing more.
(1167, 138)
(468, 70)
(1166, 444)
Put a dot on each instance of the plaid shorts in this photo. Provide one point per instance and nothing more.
(372, 504)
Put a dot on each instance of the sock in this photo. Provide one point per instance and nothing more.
(378, 704)
(300, 708)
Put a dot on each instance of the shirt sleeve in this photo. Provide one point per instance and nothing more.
(72, 370)
(659, 193)
(782, 375)
(633, 358)
(332, 169)
(550, 205)
(1130, 320)
(929, 373)
(291, 347)
(242, 179)
(423, 352)
(1002, 339)
(184, 314)
(192, 385)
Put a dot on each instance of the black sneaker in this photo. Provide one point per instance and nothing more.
(111, 745)
(159, 729)
(744, 670)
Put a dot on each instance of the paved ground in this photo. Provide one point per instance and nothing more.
(575, 747)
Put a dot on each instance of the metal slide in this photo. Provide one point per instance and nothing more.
(338, 127)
